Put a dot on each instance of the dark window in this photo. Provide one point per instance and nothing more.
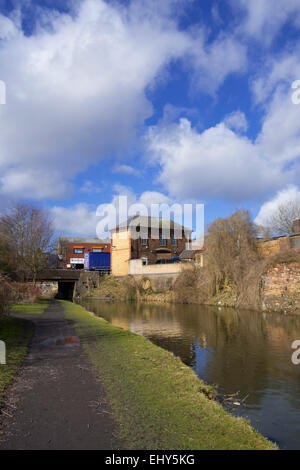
(144, 241)
(174, 242)
(78, 251)
(163, 242)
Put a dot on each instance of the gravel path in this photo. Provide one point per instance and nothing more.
(57, 400)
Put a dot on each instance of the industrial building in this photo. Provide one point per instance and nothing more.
(72, 250)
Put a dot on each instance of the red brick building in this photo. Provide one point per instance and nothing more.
(71, 250)
(150, 239)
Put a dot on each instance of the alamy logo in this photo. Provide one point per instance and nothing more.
(296, 354)
(2, 353)
(2, 92)
(296, 94)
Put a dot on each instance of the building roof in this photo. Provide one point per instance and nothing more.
(188, 254)
(94, 240)
(150, 222)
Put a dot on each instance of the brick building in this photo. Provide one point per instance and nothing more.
(151, 239)
(277, 245)
(71, 250)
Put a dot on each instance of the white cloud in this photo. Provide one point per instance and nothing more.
(126, 169)
(89, 187)
(215, 163)
(70, 91)
(289, 195)
(77, 220)
(82, 219)
(79, 81)
(264, 18)
(280, 133)
(215, 61)
(154, 197)
(236, 121)
(279, 71)
(219, 162)
(33, 183)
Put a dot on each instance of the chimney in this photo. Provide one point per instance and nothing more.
(296, 226)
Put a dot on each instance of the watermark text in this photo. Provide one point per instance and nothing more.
(2, 353)
(296, 354)
(2, 92)
(158, 221)
(296, 94)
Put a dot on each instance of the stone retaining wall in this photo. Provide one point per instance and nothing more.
(281, 288)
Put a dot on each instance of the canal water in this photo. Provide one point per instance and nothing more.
(237, 350)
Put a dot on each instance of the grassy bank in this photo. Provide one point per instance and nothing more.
(31, 309)
(16, 334)
(158, 402)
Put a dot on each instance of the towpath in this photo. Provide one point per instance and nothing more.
(57, 400)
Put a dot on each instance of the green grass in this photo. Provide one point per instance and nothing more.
(31, 309)
(157, 401)
(16, 334)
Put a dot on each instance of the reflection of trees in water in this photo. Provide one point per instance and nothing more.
(250, 350)
(183, 349)
(158, 323)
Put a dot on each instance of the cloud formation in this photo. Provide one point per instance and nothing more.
(216, 163)
(263, 19)
(287, 196)
(80, 79)
(82, 219)
(222, 162)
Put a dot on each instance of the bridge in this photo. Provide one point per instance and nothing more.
(59, 275)
(65, 278)
(70, 281)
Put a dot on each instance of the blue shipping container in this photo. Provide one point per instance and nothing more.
(97, 261)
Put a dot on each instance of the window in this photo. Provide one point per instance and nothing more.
(174, 241)
(163, 242)
(78, 251)
(97, 250)
(145, 261)
(144, 241)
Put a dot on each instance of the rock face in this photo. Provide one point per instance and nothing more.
(281, 288)
(48, 288)
(88, 281)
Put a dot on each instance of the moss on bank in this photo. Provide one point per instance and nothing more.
(16, 334)
(31, 309)
(158, 402)
(113, 289)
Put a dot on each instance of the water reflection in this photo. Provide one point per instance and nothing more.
(243, 351)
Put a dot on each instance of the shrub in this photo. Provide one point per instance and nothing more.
(193, 285)
(231, 258)
(7, 293)
(26, 293)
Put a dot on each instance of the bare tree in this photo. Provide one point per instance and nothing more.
(231, 250)
(281, 221)
(27, 233)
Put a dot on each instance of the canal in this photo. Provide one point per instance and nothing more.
(237, 350)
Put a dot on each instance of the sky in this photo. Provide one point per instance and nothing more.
(180, 101)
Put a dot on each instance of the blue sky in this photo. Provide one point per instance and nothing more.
(175, 101)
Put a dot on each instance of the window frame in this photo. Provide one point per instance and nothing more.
(78, 251)
(162, 241)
